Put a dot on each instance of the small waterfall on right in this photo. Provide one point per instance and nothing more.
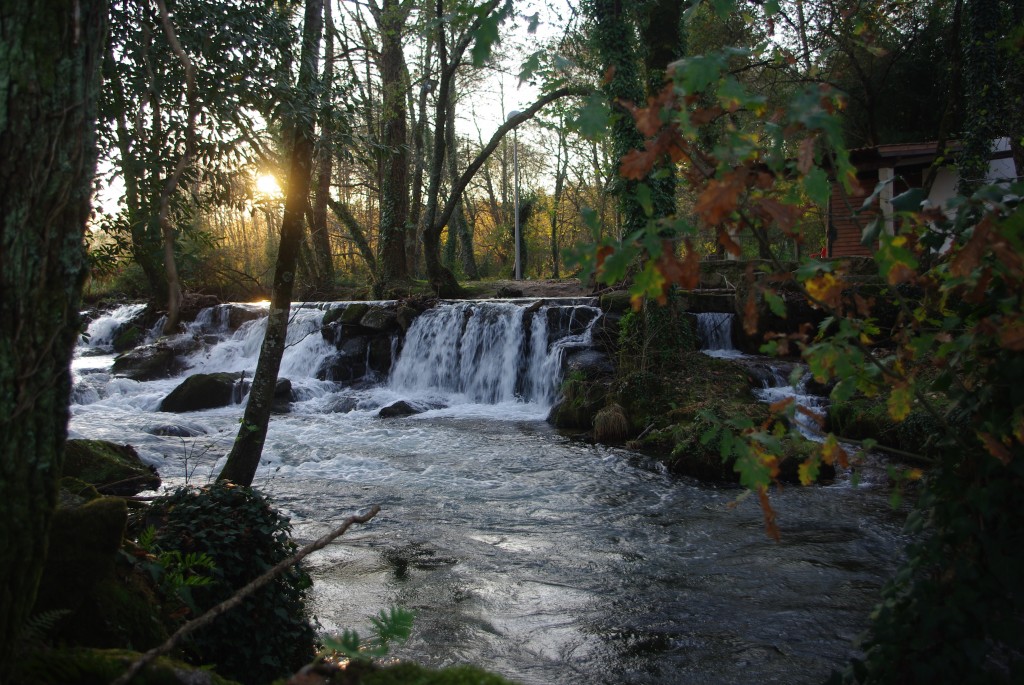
(715, 332)
(777, 387)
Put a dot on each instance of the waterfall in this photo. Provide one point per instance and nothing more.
(491, 352)
(104, 329)
(715, 332)
(239, 351)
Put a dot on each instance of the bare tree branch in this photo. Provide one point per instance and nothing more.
(512, 122)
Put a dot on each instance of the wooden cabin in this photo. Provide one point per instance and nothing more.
(907, 164)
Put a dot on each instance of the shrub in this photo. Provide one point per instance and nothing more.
(269, 635)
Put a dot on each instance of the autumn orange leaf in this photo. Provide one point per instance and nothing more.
(784, 216)
(833, 453)
(719, 199)
(812, 415)
(603, 253)
(636, 164)
(996, 448)
(750, 315)
(780, 406)
(726, 241)
(968, 258)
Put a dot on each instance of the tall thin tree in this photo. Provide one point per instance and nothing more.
(245, 454)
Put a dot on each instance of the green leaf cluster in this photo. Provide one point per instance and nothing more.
(389, 626)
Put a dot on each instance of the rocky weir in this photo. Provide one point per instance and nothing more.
(480, 352)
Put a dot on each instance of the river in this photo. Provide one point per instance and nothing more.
(543, 558)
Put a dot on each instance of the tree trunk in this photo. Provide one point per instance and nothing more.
(983, 92)
(458, 229)
(245, 454)
(50, 55)
(419, 144)
(392, 266)
(320, 240)
(561, 171)
(616, 46)
(167, 231)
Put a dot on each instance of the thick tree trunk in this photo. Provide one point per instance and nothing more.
(419, 145)
(320, 240)
(245, 454)
(616, 41)
(983, 91)
(50, 55)
(392, 266)
(167, 231)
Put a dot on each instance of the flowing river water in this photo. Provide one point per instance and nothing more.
(540, 557)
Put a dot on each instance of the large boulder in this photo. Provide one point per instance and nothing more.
(113, 469)
(241, 314)
(193, 303)
(128, 336)
(565, 321)
(405, 316)
(148, 362)
(202, 391)
(379, 319)
(84, 537)
(348, 364)
(353, 313)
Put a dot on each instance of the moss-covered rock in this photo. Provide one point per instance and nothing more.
(379, 319)
(128, 337)
(83, 542)
(332, 315)
(113, 469)
(616, 302)
(84, 666)
(201, 391)
(672, 410)
(353, 313)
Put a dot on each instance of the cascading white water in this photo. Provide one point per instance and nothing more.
(239, 351)
(715, 332)
(103, 329)
(481, 352)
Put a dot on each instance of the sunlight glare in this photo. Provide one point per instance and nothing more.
(267, 185)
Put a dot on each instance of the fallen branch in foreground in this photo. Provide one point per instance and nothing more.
(237, 598)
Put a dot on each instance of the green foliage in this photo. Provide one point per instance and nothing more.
(394, 624)
(244, 536)
(655, 337)
(173, 572)
(937, 349)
